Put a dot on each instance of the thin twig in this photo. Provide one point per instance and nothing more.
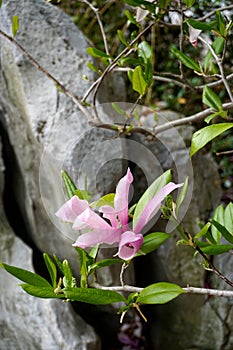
(219, 63)
(189, 120)
(50, 76)
(211, 13)
(214, 83)
(225, 153)
(96, 11)
(158, 129)
(114, 62)
(181, 38)
(155, 77)
(123, 268)
(188, 289)
(212, 266)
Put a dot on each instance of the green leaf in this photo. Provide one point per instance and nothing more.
(145, 51)
(0, 3)
(108, 199)
(218, 46)
(51, 267)
(122, 38)
(92, 51)
(103, 263)
(68, 275)
(69, 184)
(94, 251)
(203, 136)
(222, 114)
(83, 194)
(118, 109)
(126, 61)
(189, 3)
(138, 81)
(182, 195)
(224, 232)
(228, 217)
(217, 249)
(132, 298)
(151, 191)
(26, 276)
(201, 25)
(84, 261)
(221, 23)
(212, 100)
(159, 293)
(131, 18)
(92, 67)
(15, 25)
(186, 60)
(219, 217)
(41, 292)
(59, 263)
(152, 241)
(130, 75)
(203, 231)
(93, 296)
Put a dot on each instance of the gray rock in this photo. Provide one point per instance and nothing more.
(46, 130)
(27, 322)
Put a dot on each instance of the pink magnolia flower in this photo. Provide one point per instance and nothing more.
(116, 230)
(193, 35)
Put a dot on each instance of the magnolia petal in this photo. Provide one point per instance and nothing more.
(71, 209)
(122, 197)
(110, 214)
(154, 205)
(88, 218)
(98, 236)
(193, 35)
(130, 243)
(141, 14)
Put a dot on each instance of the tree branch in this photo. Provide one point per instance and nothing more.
(211, 13)
(219, 63)
(129, 129)
(189, 120)
(114, 62)
(214, 83)
(96, 11)
(188, 289)
(51, 77)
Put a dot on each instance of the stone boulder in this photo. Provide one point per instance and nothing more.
(46, 130)
(27, 322)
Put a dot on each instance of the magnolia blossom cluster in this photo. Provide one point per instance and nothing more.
(111, 225)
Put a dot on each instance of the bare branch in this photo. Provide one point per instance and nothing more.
(155, 77)
(50, 76)
(128, 129)
(219, 63)
(114, 62)
(188, 289)
(181, 39)
(211, 13)
(214, 83)
(96, 11)
(225, 153)
(189, 120)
